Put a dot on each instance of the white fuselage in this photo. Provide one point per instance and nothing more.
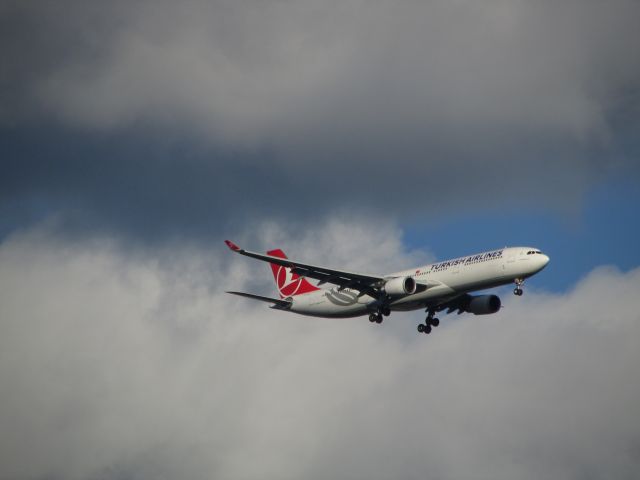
(443, 281)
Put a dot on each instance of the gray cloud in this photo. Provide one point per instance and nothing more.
(123, 365)
(277, 72)
(400, 109)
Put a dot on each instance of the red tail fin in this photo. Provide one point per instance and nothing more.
(288, 283)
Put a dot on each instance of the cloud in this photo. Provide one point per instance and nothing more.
(269, 71)
(410, 110)
(122, 364)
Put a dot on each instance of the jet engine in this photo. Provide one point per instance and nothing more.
(483, 304)
(400, 286)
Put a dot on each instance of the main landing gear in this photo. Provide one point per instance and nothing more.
(429, 322)
(518, 290)
(376, 317)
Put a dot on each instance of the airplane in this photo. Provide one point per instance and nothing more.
(434, 287)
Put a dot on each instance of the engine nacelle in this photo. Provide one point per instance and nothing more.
(400, 286)
(483, 304)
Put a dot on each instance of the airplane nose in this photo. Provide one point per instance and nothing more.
(544, 259)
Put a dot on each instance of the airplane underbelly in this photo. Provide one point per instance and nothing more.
(330, 304)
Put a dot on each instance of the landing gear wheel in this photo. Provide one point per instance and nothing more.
(373, 317)
(386, 311)
(378, 318)
(518, 290)
(420, 327)
(429, 322)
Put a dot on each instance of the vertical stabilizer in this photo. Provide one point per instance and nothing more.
(288, 283)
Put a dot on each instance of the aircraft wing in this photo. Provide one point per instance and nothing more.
(365, 284)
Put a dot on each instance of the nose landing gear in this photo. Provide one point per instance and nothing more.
(518, 290)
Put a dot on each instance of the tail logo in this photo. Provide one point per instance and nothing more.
(288, 282)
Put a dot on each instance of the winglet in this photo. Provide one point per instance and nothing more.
(232, 245)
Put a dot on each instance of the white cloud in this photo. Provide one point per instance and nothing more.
(113, 364)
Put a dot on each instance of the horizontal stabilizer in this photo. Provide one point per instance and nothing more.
(277, 304)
